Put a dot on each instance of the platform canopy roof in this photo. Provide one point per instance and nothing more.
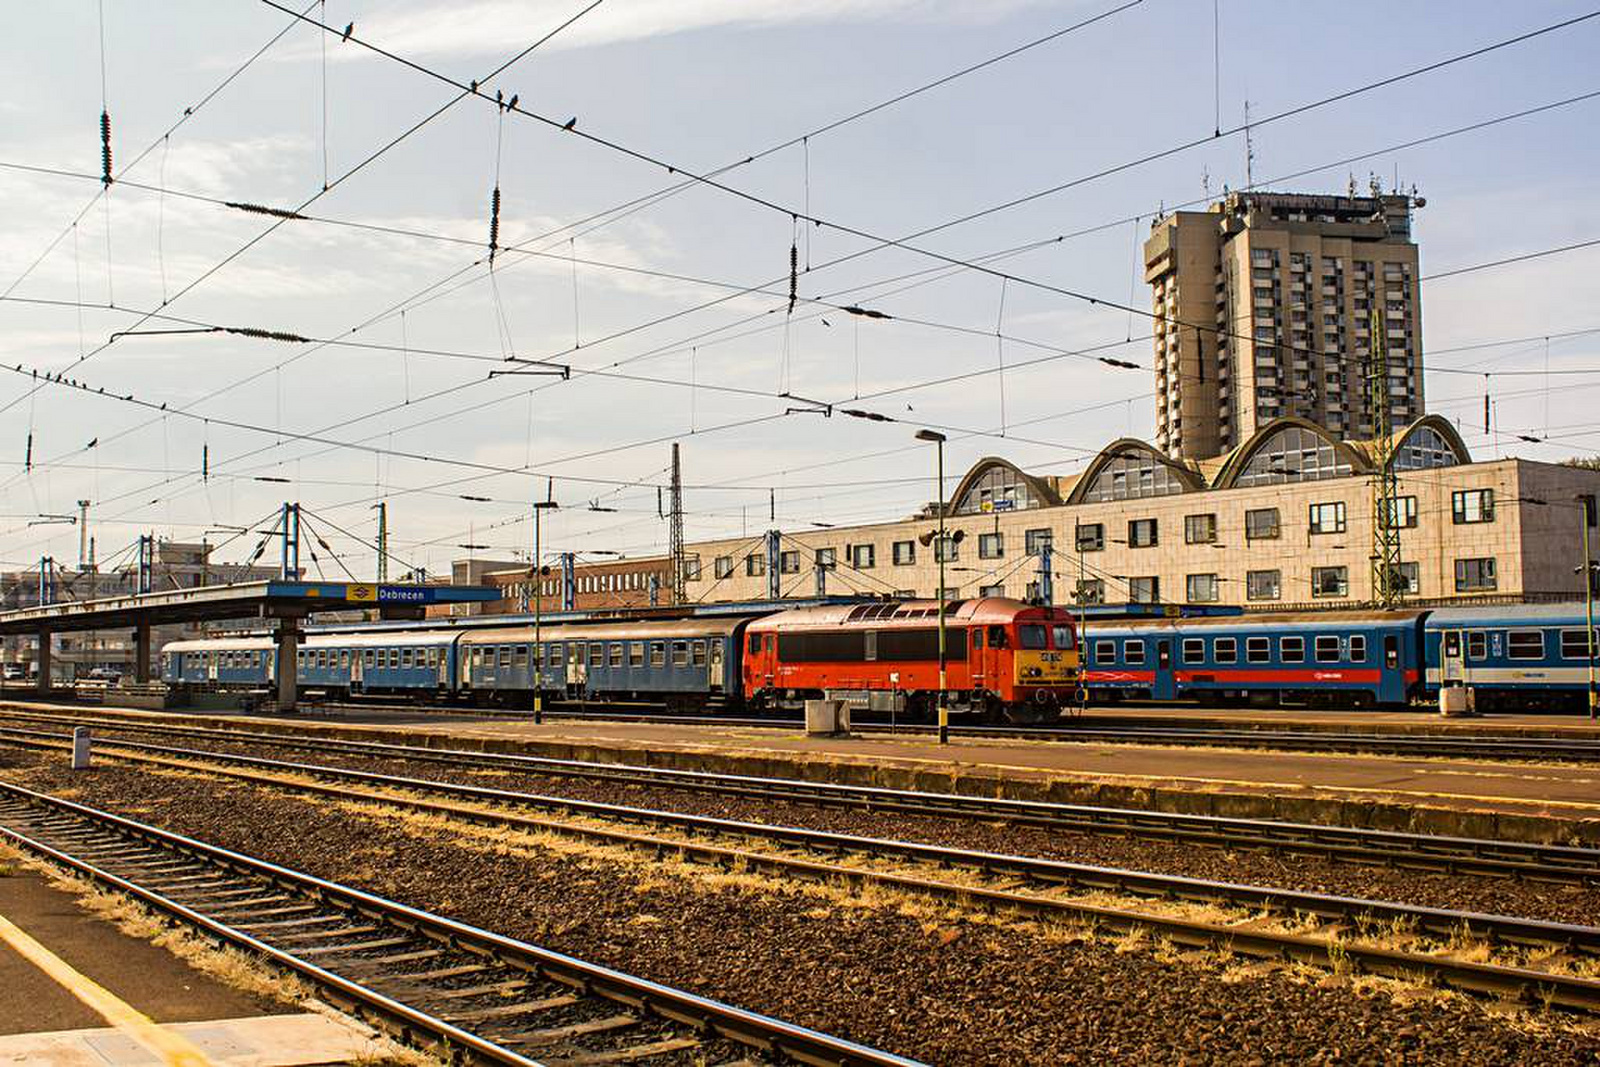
(272, 599)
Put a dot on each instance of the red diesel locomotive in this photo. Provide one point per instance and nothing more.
(1004, 659)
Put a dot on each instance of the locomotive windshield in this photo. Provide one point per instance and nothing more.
(1062, 637)
(1030, 636)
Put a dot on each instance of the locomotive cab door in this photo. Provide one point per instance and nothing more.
(1163, 687)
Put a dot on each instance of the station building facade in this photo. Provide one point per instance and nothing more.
(1284, 521)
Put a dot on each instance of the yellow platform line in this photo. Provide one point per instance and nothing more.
(174, 1049)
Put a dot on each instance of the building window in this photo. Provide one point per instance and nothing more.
(1330, 581)
(1475, 575)
(1144, 590)
(755, 565)
(1408, 579)
(1132, 474)
(991, 590)
(1261, 524)
(905, 553)
(1037, 541)
(1142, 533)
(1403, 513)
(1091, 591)
(1201, 588)
(789, 562)
(991, 546)
(1472, 505)
(946, 549)
(1263, 585)
(1091, 536)
(863, 557)
(827, 559)
(1199, 529)
(691, 572)
(1327, 518)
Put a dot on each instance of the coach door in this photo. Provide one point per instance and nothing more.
(1163, 687)
(577, 669)
(356, 669)
(1451, 668)
(715, 677)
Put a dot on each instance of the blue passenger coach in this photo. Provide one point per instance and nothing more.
(1527, 655)
(1347, 657)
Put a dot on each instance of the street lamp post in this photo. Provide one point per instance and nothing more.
(939, 554)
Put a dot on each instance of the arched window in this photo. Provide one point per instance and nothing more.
(995, 485)
(1132, 473)
(1294, 454)
(1422, 448)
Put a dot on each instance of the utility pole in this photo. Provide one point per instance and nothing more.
(1588, 605)
(680, 592)
(1385, 485)
(83, 535)
(383, 540)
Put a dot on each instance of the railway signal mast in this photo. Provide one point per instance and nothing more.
(680, 591)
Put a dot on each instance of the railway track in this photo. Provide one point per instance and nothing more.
(1554, 864)
(1535, 961)
(462, 991)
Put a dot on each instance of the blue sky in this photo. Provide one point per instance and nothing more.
(701, 84)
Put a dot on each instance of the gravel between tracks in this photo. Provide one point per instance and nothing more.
(925, 982)
(1501, 896)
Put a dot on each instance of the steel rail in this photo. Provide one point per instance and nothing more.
(1547, 987)
(1563, 864)
(701, 1014)
(1438, 921)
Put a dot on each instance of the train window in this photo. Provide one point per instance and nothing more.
(1327, 648)
(433, 657)
(1132, 651)
(755, 644)
(505, 655)
(1477, 645)
(300, 659)
(394, 657)
(615, 659)
(344, 659)
(322, 659)
(1259, 649)
(596, 650)
(477, 658)
(1225, 649)
(658, 654)
(1062, 637)
(405, 658)
(997, 637)
(1194, 650)
(367, 657)
(1358, 648)
(1105, 652)
(680, 653)
(716, 652)
(1525, 644)
(1030, 636)
(698, 653)
(977, 637)
(636, 653)
(1575, 644)
(519, 656)
(575, 653)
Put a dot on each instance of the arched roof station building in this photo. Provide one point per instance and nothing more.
(1282, 520)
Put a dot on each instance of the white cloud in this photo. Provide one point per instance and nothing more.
(481, 27)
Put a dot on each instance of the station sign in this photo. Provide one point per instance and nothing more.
(368, 593)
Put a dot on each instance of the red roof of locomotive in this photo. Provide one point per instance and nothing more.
(906, 614)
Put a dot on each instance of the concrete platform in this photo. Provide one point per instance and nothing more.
(1516, 801)
(43, 1021)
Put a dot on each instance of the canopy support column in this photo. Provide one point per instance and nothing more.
(287, 661)
(141, 652)
(43, 661)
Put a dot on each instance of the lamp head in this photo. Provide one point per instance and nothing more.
(930, 435)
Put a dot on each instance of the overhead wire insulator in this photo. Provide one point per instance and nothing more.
(105, 147)
(794, 273)
(494, 223)
(27, 459)
(263, 209)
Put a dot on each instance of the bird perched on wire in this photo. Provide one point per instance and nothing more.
(348, 30)
(512, 103)
(570, 123)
